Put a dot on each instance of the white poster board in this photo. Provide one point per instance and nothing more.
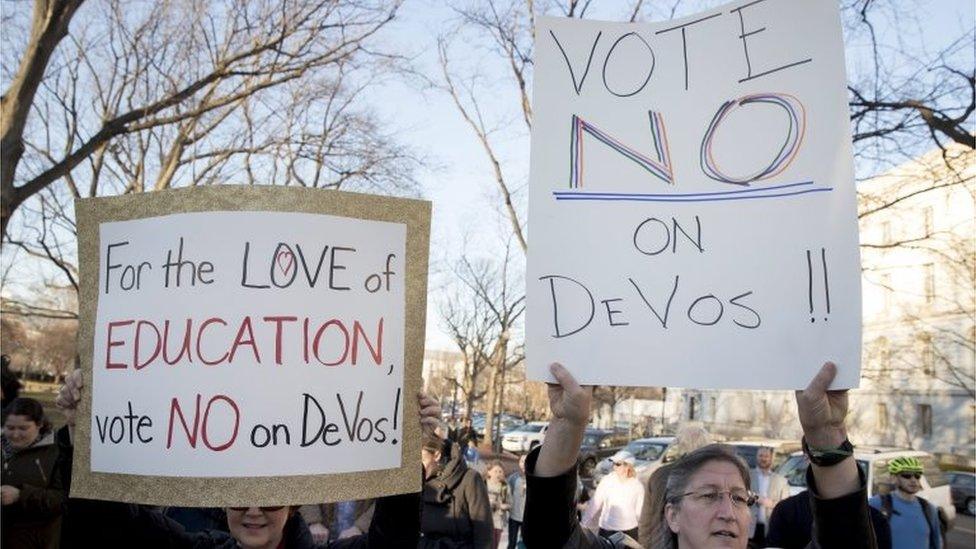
(250, 345)
(265, 349)
(692, 204)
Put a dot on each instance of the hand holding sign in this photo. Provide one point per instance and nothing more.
(569, 404)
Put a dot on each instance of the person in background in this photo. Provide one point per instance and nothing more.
(340, 520)
(914, 521)
(465, 434)
(771, 488)
(456, 512)
(31, 494)
(618, 499)
(499, 498)
(471, 455)
(650, 527)
(9, 383)
(395, 522)
(707, 493)
(516, 487)
(791, 524)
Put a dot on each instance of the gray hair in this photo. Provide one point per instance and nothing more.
(680, 475)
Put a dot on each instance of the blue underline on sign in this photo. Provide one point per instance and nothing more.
(745, 194)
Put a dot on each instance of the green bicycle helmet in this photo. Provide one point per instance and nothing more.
(904, 465)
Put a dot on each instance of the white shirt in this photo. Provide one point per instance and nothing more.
(762, 480)
(617, 502)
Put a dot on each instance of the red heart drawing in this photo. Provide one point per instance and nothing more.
(285, 260)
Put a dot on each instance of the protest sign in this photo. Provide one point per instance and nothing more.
(250, 345)
(692, 208)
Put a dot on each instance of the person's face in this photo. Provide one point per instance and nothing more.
(910, 483)
(707, 522)
(20, 431)
(765, 458)
(497, 474)
(621, 469)
(257, 528)
(429, 460)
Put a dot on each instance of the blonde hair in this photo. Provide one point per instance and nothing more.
(691, 438)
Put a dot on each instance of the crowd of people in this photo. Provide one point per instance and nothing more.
(707, 497)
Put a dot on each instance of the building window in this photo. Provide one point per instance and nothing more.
(928, 356)
(884, 354)
(881, 421)
(692, 405)
(712, 408)
(929, 283)
(925, 420)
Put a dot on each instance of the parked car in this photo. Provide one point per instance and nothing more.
(963, 488)
(526, 437)
(874, 463)
(506, 423)
(598, 444)
(649, 454)
(748, 449)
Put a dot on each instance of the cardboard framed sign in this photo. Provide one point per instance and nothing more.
(250, 345)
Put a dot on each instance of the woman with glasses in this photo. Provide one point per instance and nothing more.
(707, 499)
(395, 524)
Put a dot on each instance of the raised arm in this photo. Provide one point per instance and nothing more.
(822, 416)
(838, 495)
(569, 405)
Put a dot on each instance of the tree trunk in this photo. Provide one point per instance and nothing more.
(49, 25)
(497, 366)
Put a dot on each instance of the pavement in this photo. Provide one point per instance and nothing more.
(963, 533)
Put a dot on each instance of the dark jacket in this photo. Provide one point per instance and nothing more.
(395, 525)
(791, 524)
(456, 511)
(464, 434)
(551, 521)
(92, 523)
(35, 519)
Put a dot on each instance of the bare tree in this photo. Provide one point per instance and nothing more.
(468, 322)
(482, 315)
(193, 93)
(197, 92)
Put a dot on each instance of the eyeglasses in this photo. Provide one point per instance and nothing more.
(267, 509)
(740, 499)
(620, 463)
(908, 476)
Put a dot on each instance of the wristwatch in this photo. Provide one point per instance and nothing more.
(825, 457)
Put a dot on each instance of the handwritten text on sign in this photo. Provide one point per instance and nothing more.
(248, 344)
(700, 173)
